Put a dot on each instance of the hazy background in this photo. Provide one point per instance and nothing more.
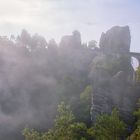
(54, 18)
(36, 75)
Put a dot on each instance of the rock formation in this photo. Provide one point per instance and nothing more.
(116, 40)
(111, 72)
(71, 41)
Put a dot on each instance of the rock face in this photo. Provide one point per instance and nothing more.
(116, 40)
(110, 73)
(71, 41)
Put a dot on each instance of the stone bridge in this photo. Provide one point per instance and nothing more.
(135, 55)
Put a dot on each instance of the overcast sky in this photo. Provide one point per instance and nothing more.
(54, 18)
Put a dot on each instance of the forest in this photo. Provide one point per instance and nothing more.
(71, 90)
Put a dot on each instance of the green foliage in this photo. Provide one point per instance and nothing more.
(80, 131)
(138, 74)
(109, 127)
(84, 105)
(65, 115)
(136, 134)
(106, 128)
(63, 123)
(137, 114)
(81, 106)
(34, 135)
(86, 94)
(110, 64)
(64, 129)
(91, 133)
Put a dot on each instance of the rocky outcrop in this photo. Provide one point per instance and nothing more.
(109, 75)
(71, 41)
(116, 40)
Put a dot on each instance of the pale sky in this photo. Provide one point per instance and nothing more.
(55, 18)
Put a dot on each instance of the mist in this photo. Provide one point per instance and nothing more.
(53, 51)
(34, 75)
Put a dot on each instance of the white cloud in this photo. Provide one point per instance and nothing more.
(54, 18)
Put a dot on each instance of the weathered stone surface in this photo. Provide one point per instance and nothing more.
(116, 40)
(109, 75)
(71, 41)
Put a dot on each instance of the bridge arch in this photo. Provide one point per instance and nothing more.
(136, 56)
(134, 63)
